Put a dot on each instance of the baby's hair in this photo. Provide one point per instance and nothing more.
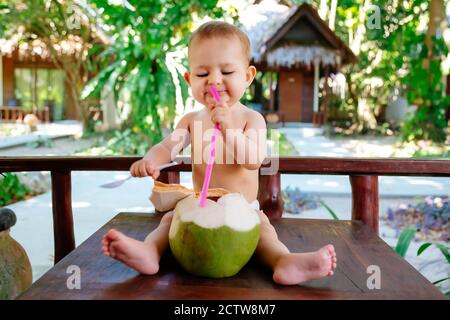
(213, 29)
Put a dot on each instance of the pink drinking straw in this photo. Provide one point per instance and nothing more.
(212, 154)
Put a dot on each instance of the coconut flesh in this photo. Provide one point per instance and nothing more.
(217, 240)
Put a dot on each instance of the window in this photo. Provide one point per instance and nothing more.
(35, 87)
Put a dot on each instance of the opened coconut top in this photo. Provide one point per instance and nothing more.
(171, 187)
(166, 187)
(165, 196)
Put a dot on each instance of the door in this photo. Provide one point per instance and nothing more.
(291, 93)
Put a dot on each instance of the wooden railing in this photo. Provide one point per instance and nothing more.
(363, 174)
(19, 113)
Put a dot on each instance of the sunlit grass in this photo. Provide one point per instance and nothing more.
(279, 145)
(422, 149)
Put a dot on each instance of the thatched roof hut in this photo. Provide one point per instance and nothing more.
(299, 47)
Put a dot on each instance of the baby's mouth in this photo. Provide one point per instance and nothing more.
(220, 92)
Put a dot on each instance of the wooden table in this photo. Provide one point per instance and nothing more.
(356, 245)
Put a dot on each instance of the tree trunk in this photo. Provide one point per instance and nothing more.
(355, 44)
(436, 27)
(332, 15)
(323, 9)
(76, 86)
(437, 23)
(364, 113)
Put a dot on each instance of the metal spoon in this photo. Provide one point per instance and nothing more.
(119, 182)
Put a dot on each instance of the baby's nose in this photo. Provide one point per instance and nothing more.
(215, 79)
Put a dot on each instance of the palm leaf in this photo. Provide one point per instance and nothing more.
(405, 240)
(98, 82)
(445, 251)
(441, 280)
(332, 213)
(423, 248)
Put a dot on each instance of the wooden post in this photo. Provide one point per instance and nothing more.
(365, 200)
(271, 101)
(269, 195)
(62, 214)
(316, 86)
(327, 93)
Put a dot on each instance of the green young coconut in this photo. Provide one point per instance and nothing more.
(215, 241)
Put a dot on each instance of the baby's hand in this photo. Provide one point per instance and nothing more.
(221, 114)
(144, 168)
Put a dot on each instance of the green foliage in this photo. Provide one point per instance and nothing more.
(445, 250)
(127, 142)
(408, 66)
(437, 151)
(11, 189)
(392, 60)
(41, 142)
(281, 146)
(404, 240)
(143, 34)
(426, 90)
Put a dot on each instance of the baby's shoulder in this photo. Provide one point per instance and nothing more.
(190, 117)
(186, 120)
(252, 118)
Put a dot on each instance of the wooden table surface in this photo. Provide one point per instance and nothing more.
(356, 246)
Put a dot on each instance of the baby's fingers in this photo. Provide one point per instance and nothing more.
(222, 104)
(155, 174)
(148, 169)
(134, 169)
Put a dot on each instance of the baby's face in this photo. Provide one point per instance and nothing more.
(218, 61)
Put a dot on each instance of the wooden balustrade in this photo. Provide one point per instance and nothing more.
(19, 113)
(363, 175)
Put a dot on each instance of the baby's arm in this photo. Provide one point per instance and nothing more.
(249, 147)
(165, 151)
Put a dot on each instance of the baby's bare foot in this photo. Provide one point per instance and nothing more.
(142, 257)
(294, 268)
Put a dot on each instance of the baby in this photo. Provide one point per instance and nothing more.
(219, 55)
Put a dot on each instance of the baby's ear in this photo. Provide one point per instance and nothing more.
(187, 78)
(250, 75)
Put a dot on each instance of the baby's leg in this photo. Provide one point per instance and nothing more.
(143, 256)
(292, 268)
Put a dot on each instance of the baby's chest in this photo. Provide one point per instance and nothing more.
(201, 135)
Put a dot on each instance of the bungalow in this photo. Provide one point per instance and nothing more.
(297, 48)
(29, 79)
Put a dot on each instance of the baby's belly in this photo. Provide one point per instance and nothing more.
(232, 177)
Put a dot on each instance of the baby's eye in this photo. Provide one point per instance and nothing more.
(227, 72)
(202, 75)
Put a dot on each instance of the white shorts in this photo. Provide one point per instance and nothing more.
(255, 205)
